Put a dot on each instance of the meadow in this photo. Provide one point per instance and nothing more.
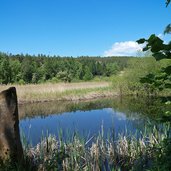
(31, 93)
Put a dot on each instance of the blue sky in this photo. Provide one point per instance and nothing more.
(79, 27)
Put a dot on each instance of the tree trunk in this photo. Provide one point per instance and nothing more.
(10, 143)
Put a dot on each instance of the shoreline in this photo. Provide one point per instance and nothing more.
(85, 97)
(82, 91)
(39, 93)
(76, 99)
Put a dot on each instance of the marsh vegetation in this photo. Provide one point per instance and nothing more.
(32, 93)
(123, 136)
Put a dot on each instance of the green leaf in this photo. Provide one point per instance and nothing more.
(141, 41)
(167, 70)
(153, 39)
(167, 29)
(167, 2)
(159, 56)
(149, 78)
(162, 75)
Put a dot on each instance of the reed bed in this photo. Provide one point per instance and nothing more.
(95, 153)
(60, 91)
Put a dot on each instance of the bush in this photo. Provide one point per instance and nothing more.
(21, 82)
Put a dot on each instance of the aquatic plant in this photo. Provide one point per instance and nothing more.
(98, 153)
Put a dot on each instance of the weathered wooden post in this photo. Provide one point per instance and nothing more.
(10, 143)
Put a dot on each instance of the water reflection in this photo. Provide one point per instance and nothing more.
(117, 115)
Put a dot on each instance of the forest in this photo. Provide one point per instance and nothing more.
(24, 69)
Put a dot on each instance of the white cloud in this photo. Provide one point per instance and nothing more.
(165, 38)
(161, 36)
(127, 48)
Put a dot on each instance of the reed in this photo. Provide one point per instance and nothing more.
(97, 153)
(61, 91)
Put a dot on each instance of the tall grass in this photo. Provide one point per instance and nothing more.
(97, 153)
(61, 91)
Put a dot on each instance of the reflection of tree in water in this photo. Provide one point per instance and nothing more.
(59, 107)
(143, 112)
(132, 107)
(135, 115)
(142, 107)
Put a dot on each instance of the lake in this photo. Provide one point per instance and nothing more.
(116, 116)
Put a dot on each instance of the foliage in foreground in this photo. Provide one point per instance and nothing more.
(127, 152)
(160, 50)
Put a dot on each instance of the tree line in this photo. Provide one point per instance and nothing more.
(24, 69)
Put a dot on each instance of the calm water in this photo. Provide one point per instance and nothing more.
(116, 115)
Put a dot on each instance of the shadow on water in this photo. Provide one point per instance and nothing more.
(59, 107)
(130, 106)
